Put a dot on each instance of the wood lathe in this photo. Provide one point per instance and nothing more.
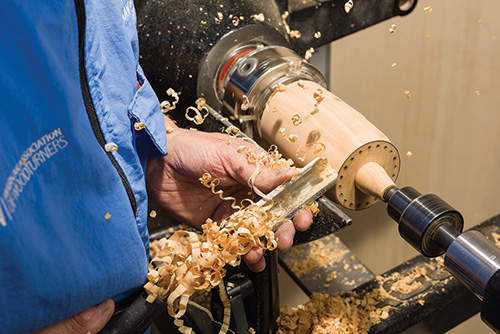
(250, 73)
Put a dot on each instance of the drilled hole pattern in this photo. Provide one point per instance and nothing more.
(381, 152)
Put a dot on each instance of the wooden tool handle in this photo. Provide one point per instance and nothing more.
(306, 121)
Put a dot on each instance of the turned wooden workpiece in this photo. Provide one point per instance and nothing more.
(306, 121)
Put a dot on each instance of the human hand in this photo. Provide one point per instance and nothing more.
(172, 182)
(91, 320)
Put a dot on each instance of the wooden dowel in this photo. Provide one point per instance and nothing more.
(372, 179)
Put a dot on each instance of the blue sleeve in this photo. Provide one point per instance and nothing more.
(72, 215)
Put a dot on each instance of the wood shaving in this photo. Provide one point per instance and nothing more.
(393, 28)
(317, 34)
(259, 17)
(284, 16)
(318, 95)
(138, 126)
(336, 313)
(301, 154)
(318, 148)
(187, 262)
(349, 312)
(245, 105)
(209, 182)
(296, 120)
(111, 147)
(107, 216)
(428, 9)
(295, 34)
(169, 129)
(408, 94)
(166, 106)
(309, 53)
(348, 6)
(153, 214)
(233, 131)
(200, 103)
(313, 206)
(236, 21)
(393, 65)
(292, 138)
(198, 119)
(319, 255)
(409, 154)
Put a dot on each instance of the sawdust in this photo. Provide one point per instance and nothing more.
(351, 312)
(336, 313)
(320, 254)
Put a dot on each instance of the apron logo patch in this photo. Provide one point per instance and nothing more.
(32, 158)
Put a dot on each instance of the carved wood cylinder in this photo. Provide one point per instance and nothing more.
(307, 121)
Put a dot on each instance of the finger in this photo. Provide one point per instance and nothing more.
(253, 256)
(284, 235)
(91, 320)
(241, 170)
(258, 266)
(302, 220)
(269, 178)
(255, 260)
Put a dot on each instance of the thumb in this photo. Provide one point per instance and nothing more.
(91, 320)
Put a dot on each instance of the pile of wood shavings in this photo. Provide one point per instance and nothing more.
(351, 312)
(320, 254)
(326, 314)
(187, 262)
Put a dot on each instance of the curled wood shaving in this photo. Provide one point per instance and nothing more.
(209, 182)
(318, 148)
(233, 131)
(198, 119)
(245, 104)
(111, 147)
(227, 308)
(296, 120)
(309, 53)
(348, 6)
(187, 262)
(259, 17)
(166, 106)
(138, 126)
(313, 206)
(292, 138)
(200, 103)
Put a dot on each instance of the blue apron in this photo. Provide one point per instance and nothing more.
(72, 215)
